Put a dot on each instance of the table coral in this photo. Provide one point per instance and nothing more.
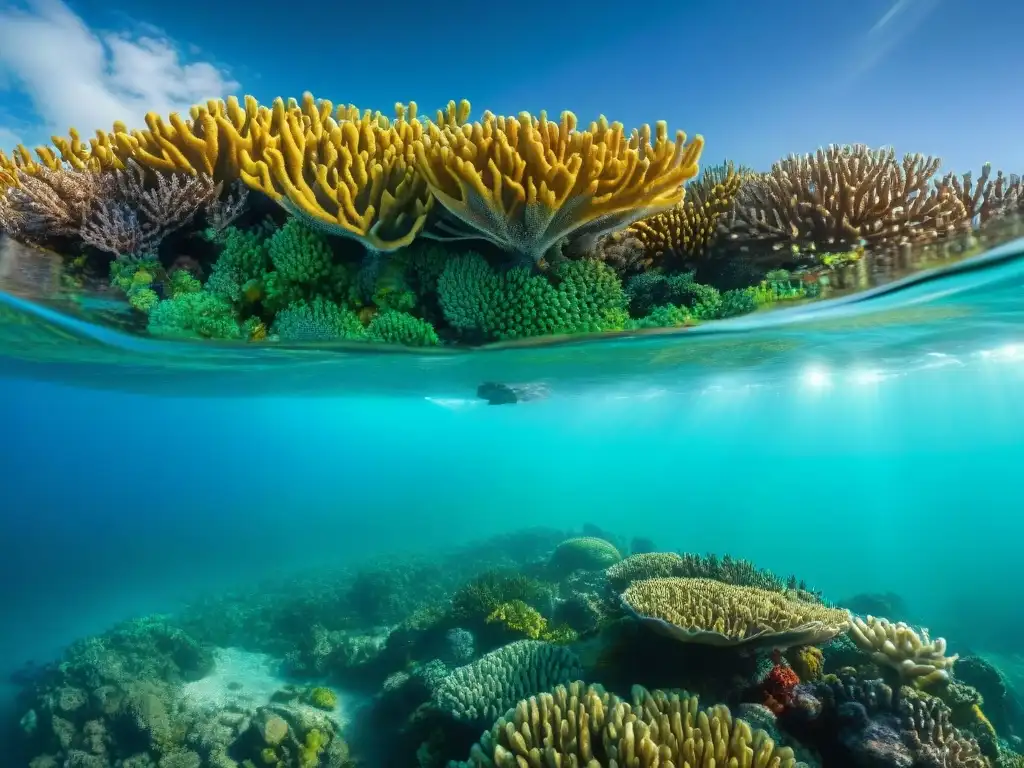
(715, 613)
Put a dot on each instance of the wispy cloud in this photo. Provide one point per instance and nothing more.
(76, 76)
(899, 20)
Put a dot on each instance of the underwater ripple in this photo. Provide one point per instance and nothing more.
(951, 315)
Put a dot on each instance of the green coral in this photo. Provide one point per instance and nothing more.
(519, 617)
(478, 598)
(312, 746)
(144, 299)
(242, 262)
(584, 553)
(199, 314)
(659, 300)
(391, 327)
(317, 320)
(322, 698)
(300, 254)
(665, 316)
(580, 296)
(777, 286)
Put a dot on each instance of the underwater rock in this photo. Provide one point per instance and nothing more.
(271, 727)
(510, 394)
(1001, 708)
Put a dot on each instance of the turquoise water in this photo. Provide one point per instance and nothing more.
(870, 444)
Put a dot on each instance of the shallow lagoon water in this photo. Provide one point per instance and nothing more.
(870, 444)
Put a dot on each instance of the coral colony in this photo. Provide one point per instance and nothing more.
(528, 650)
(303, 221)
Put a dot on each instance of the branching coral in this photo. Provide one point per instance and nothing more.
(686, 232)
(915, 656)
(49, 202)
(136, 210)
(351, 175)
(841, 196)
(714, 613)
(526, 183)
(585, 725)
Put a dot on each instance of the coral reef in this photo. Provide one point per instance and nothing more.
(475, 657)
(307, 222)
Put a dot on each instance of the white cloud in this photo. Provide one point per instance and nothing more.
(76, 76)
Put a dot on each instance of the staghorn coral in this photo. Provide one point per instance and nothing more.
(686, 232)
(987, 198)
(488, 687)
(49, 202)
(843, 196)
(137, 209)
(579, 725)
(526, 183)
(916, 657)
(351, 175)
(714, 613)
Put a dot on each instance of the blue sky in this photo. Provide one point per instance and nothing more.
(759, 80)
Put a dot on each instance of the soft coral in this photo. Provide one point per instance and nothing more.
(778, 685)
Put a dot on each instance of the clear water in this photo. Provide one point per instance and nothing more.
(868, 444)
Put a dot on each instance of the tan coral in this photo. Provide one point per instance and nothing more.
(843, 196)
(527, 183)
(915, 656)
(47, 203)
(350, 177)
(580, 725)
(714, 613)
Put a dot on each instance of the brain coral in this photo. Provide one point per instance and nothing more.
(584, 553)
(491, 685)
(715, 613)
(581, 725)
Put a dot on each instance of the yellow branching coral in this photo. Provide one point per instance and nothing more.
(526, 183)
(587, 726)
(686, 231)
(519, 617)
(915, 656)
(715, 613)
(210, 141)
(353, 176)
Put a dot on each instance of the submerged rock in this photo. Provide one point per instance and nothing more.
(509, 394)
